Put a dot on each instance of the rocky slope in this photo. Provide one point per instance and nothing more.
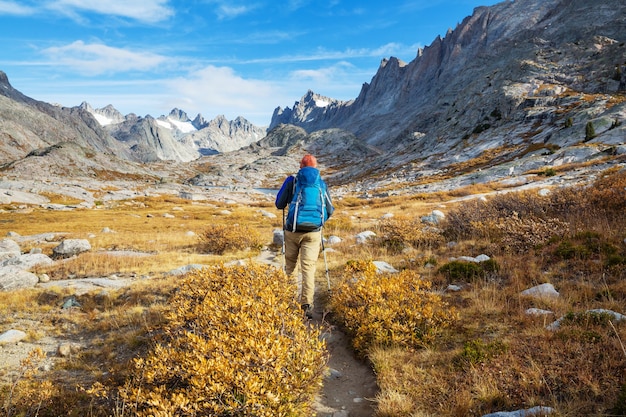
(517, 76)
(28, 125)
(517, 89)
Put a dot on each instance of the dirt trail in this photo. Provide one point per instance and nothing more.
(350, 387)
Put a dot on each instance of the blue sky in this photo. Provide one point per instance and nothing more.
(214, 57)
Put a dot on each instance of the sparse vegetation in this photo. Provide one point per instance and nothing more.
(435, 351)
(590, 131)
(569, 122)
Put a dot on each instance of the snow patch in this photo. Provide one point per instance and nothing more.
(164, 124)
(103, 120)
(184, 127)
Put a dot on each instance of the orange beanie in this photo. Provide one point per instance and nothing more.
(308, 161)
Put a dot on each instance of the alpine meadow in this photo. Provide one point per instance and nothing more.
(474, 263)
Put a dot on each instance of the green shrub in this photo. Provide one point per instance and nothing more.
(235, 344)
(388, 309)
(468, 271)
(587, 318)
(476, 351)
(590, 132)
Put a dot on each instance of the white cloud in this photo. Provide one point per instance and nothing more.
(94, 59)
(13, 8)
(150, 11)
(226, 11)
(220, 88)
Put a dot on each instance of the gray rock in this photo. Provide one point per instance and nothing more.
(12, 336)
(185, 269)
(28, 261)
(333, 240)
(616, 316)
(364, 236)
(537, 312)
(71, 247)
(65, 350)
(383, 267)
(9, 249)
(13, 278)
(268, 214)
(534, 412)
(541, 291)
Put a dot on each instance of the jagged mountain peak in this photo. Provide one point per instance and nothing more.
(4, 79)
(180, 115)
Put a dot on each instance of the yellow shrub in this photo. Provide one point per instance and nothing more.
(388, 309)
(398, 234)
(235, 344)
(218, 238)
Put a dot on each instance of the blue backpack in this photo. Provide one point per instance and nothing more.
(308, 209)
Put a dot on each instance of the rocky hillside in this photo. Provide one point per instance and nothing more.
(515, 78)
(28, 125)
(176, 137)
(523, 92)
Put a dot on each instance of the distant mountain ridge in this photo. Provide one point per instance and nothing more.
(176, 136)
(141, 139)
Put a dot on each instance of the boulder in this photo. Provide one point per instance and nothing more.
(364, 236)
(28, 261)
(12, 336)
(9, 249)
(13, 278)
(384, 267)
(541, 291)
(71, 247)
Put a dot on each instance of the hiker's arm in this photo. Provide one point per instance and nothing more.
(329, 202)
(283, 198)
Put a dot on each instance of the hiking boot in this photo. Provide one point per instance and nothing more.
(308, 311)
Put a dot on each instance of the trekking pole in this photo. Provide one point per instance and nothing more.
(325, 262)
(284, 255)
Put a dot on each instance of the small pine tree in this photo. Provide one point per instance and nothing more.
(618, 73)
(590, 132)
(569, 122)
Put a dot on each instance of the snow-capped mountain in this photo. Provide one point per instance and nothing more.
(175, 136)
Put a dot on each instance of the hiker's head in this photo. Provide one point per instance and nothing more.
(308, 161)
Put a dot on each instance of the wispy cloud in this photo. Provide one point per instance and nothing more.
(95, 58)
(14, 8)
(149, 11)
(322, 75)
(322, 54)
(227, 11)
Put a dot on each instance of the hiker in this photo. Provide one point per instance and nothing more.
(309, 206)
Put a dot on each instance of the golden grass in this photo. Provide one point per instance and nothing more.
(514, 361)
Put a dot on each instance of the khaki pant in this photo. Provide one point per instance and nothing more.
(307, 246)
